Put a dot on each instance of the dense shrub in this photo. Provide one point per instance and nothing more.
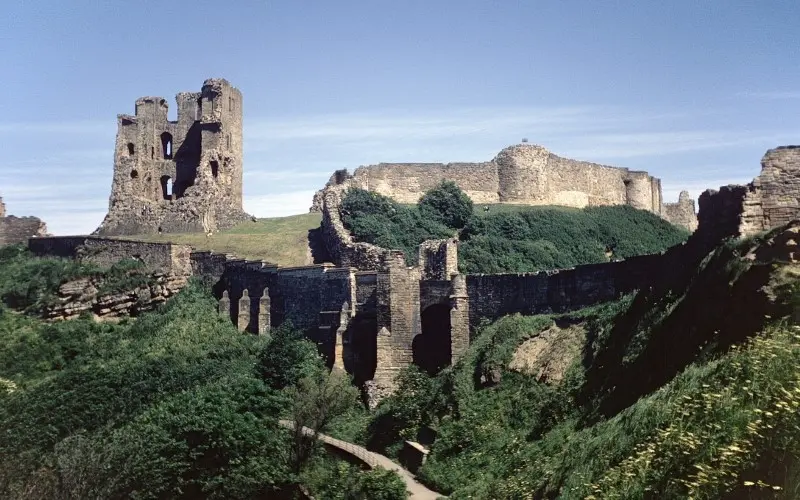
(341, 481)
(376, 219)
(29, 283)
(447, 204)
(508, 239)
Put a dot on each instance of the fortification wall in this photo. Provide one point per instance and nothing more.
(15, 230)
(407, 182)
(771, 200)
(682, 213)
(338, 241)
(162, 257)
(523, 174)
(493, 296)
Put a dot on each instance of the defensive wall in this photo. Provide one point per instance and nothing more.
(18, 229)
(770, 200)
(523, 174)
(373, 315)
(373, 323)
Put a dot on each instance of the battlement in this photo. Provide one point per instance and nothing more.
(183, 175)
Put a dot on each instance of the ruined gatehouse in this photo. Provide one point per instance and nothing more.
(178, 176)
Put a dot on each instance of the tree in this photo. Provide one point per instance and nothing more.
(447, 204)
(316, 400)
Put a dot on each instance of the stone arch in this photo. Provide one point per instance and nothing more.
(166, 145)
(166, 187)
(432, 348)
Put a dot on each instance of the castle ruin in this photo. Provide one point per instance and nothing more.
(523, 174)
(18, 229)
(178, 176)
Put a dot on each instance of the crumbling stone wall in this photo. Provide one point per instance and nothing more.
(524, 174)
(340, 244)
(183, 175)
(683, 212)
(770, 200)
(157, 257)
(18, 229)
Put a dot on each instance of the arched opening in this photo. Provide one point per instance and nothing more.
(360, 351)
(166, 144)
(214, 164)
(131, 149)
(166, 187)
(152, 152)
(134, 174)
(431, 349)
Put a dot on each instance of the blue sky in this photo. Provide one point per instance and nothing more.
(693, 91)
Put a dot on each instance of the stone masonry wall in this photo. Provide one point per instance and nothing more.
(682, 213)
(771, 200)
(523, 174)
(493, 296)
(178, 176)
(338, 241)
(162, 257)
(15, 230)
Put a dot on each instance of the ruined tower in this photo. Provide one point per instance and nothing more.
(183, 175)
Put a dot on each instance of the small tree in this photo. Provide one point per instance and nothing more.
(316, 400)
(448, 204)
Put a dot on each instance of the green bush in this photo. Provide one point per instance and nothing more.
(333, 480)
(508, 239)
(29, 283)
(447, 204)
(376, 219)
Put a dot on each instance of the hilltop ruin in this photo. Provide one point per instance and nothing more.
(178, 176)
(523, 174)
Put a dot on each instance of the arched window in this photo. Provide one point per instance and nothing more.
(166, 187)
(166, 143)
(134, 174)
(131, 149)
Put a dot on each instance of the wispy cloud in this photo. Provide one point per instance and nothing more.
(774, 94)
(62, 171)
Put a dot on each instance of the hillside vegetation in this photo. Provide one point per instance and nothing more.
(508, 238)
(174, 404)
(689, 389)
(279, 240)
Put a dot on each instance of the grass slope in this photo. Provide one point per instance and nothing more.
(280, 240)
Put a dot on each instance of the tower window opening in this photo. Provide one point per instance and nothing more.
(134, 174)
(131, 149)
(152, 152)
(166, 144)
(228, 140)
(214, 168)
(166, 187)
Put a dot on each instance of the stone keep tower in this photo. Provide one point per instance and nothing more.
(178, 176)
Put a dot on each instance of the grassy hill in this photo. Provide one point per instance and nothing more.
(280, 240)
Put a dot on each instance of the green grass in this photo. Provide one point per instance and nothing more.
(279, 240)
